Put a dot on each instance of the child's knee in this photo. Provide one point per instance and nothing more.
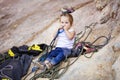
(46, 61)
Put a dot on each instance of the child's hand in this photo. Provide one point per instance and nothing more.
(66, 28)
(61, 27)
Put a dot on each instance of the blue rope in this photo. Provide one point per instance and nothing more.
(58, 32)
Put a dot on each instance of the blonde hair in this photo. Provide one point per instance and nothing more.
(70, 17)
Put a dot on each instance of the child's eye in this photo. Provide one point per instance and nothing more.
(66, 22)
(62, 22)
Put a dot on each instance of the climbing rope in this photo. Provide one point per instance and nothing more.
(92, 44)
(54, 39)
(77, 38)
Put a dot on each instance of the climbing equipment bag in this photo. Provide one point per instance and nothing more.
(15, 69)
(78, 49)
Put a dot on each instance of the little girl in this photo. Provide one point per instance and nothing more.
(64, 43)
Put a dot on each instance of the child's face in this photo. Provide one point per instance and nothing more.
(64, 22)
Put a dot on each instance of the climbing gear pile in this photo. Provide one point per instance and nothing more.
(15, 52)
(15, 63)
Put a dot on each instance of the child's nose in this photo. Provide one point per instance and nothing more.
(63, 25)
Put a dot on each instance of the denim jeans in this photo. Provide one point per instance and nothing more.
(57, 55)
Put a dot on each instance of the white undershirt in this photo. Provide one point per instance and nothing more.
(64, 41)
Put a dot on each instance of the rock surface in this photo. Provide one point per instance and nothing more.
(35, 21)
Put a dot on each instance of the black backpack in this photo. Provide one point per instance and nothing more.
(15, 69)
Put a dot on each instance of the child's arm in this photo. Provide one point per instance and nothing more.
(70, 34)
